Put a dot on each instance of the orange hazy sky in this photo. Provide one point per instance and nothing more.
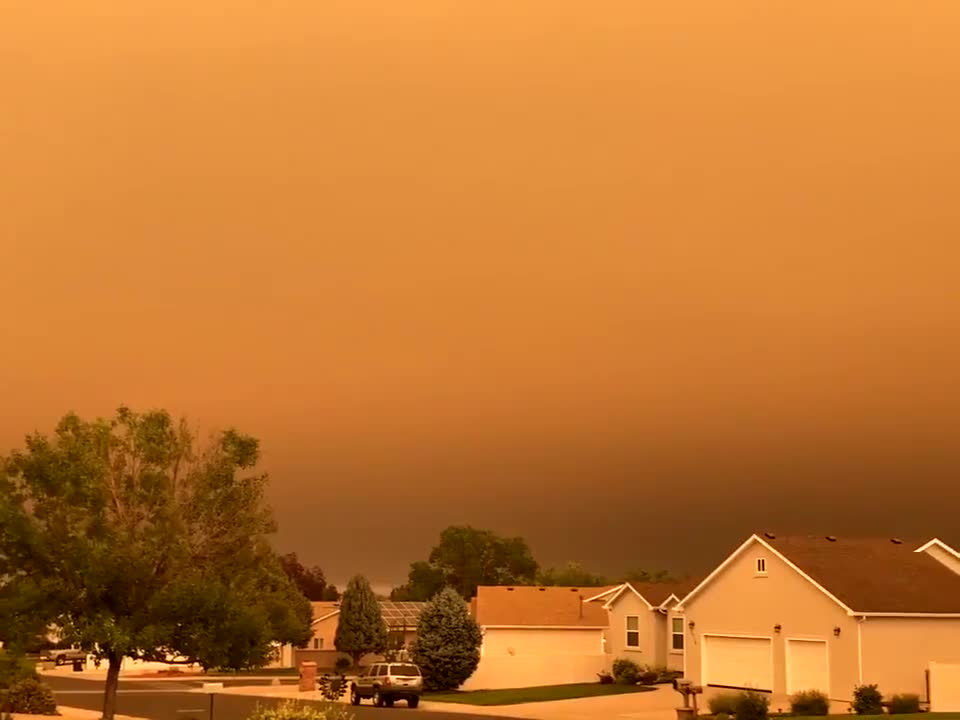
(630, 279)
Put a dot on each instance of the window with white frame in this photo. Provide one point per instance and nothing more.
(677, 633)
(761, 566)
(633, 631)
(316, 644)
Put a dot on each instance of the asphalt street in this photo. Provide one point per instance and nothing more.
(169, 700)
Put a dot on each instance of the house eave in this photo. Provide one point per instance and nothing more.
(902, 615)
(544, 627)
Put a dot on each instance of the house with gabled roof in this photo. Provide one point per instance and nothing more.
(643, 626)
(537, 636)
(400, 617)
(785, 614)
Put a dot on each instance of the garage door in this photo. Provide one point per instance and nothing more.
(739, 662)
(807, 666)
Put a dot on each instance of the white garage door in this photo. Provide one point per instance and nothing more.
(739, 662)
(807, 666)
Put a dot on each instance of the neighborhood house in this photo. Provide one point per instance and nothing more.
(400, 617)
(537, 636)
(786, 614)
(644, 625)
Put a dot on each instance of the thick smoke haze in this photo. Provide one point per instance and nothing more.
(631, 280)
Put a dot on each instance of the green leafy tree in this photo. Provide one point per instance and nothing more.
(132, 540)
(423, 582)
(360, 626)
(466, 557)
(447, 647)
(571, 575)
(311, 581)
(656, 576)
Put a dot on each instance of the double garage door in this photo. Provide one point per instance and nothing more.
(747, 662)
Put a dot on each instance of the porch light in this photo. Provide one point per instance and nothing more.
(836, 631)
(777, 628)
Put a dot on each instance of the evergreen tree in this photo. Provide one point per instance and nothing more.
(447, 647)
(360, 627)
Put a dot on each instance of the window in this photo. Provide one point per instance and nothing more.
(321, 644)
(316, 644)
(677, 633)
(633, 631)
(405, 670)
(381, 670)
(761, 566)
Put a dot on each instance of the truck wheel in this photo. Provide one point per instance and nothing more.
(60, 660)
(413, 701)
(377, 699)
(354, 697)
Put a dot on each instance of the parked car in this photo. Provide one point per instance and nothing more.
(384, 683)
(62, 656)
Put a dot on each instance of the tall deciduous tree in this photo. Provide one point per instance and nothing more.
(134, 541)
(655, 576)
(571, 575)
(311, 581)
(447, 647)
(360, 626)
(466, 557)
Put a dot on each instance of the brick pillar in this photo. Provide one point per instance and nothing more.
(308, 676)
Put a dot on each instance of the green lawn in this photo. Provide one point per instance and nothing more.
(515, 696)
(264, 672)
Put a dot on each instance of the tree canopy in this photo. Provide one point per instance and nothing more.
(132, 540)
(311, 581)
(466, 557)
(360, 626)
(572, 574)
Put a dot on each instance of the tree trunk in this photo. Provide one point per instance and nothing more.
(110, 689)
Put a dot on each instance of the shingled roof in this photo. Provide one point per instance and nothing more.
(536, 606)
(866, 575)
(875, 575)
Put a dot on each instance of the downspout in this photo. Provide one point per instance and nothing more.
(860, 621)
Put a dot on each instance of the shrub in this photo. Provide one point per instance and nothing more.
(723, 704)
(341, 664)
(810, 702)
(293, 710)
(605, 678)
(904, 704)
(751, 705)
(627, 672)
(721, 716)
(447, 647)
(30, 697)
(649, 677)
(867, 700)
(14, 668)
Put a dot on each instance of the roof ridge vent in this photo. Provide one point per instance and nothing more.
(831, 538)
(769, 536)
(896, 541)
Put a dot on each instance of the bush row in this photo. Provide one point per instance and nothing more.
(627, 672)
(867, 700)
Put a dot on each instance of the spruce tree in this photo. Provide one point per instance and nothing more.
(447, 647)
(360, 627)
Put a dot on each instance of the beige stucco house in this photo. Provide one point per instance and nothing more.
(643, 623)
(537, 636)
(400, 617)
(786, 614)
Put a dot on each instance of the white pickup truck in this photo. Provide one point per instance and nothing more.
(62, 656)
